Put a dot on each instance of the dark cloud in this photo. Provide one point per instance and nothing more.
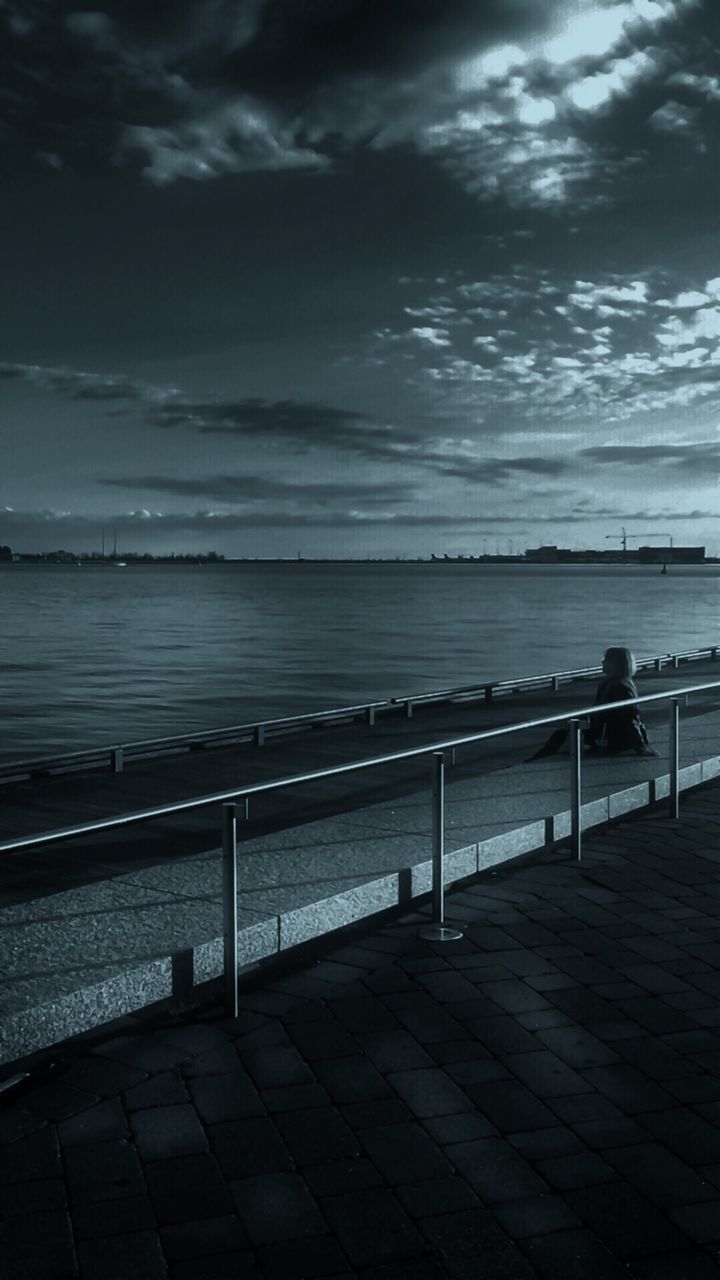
(256, 488)
(500, 470)
(195, 90)
(76, 384)
(300, 46)
(702, 458)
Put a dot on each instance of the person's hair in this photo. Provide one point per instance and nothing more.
(620, 662)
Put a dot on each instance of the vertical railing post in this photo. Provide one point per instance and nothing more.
(438, 931)
(576, 788)
(230, 912)
(118, 759)
(674, 728)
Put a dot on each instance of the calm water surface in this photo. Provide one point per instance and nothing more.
(103, 654)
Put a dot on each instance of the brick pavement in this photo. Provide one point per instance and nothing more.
(540, 1099)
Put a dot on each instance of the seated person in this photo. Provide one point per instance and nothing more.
(610, 731)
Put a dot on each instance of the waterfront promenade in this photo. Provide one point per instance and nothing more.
(540, 1099)
(138, 915)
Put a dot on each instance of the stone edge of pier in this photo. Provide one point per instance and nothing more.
(176, 975)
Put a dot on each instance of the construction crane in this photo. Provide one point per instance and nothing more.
(623, 537)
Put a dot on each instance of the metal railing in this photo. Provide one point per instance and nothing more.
(575, 720)
(116, 755)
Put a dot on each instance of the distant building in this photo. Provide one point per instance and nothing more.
(6, 553)
(674, 555)
(542, 555)
(636, 555)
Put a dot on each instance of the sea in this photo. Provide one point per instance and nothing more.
(101, 654)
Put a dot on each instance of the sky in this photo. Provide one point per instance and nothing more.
(350, 278)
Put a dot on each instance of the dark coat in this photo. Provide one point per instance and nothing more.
(611, 731)
(620, 730)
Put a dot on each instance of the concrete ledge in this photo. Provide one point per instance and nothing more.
(77, 959)
(625, 801)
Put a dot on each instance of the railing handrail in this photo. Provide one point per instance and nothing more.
(140, 745)
(277, 784)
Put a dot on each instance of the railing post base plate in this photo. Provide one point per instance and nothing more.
(440, 933)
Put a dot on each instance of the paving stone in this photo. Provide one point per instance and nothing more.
(163, 1090)
(317, 1256)
(113, 1217)
(676, 1266)
(277, 1065)
(580, 1107)
(693, 1139)
(540, 1019)
(514, 995)
(628, 1088)
(495, 1171)
(372, 1227)
(316, 1135)
(583, 1006)
(203, 1237)
(36, 1155)
(655, 1059)
(363, 1013)
(460, 1240)
(535, 1216)
(277, 1206)
(655, 1015)
(435, 1196)
(38, 1247)
(103, 1171)
(228, 1097)
(458, 1128)
(660, 1175)
(102, 1122)
(429, 1092)
(510, 1106)
(246, 1147)
(17, 1122)
(292, 1097)
(42, 1195)
(146, 1052)
(341, 1176)
(545, 1074)
(503, 1035)
(162, 1132)
(393, 1050)
(600, 1134)
(698, 1088)
(581, 1169)
(217, 1062)
(655, 979)
(477, 1071)
(187, 1188)
(430, 1024)
(55, 1100)
(572, 1255)
(325, 1038)
(452, 987)
(699, 1221)
(423, 1268)
(102, 1076)
(136, 1254)
(543, 1144)
(367, 1115)
(404, 1153)
(577, 1046)
(628, 1223)
(523, 964)
(351, 1080)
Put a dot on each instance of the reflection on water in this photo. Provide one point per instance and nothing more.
(98, 657)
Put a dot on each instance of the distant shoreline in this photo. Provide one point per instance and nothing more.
(466, 561)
